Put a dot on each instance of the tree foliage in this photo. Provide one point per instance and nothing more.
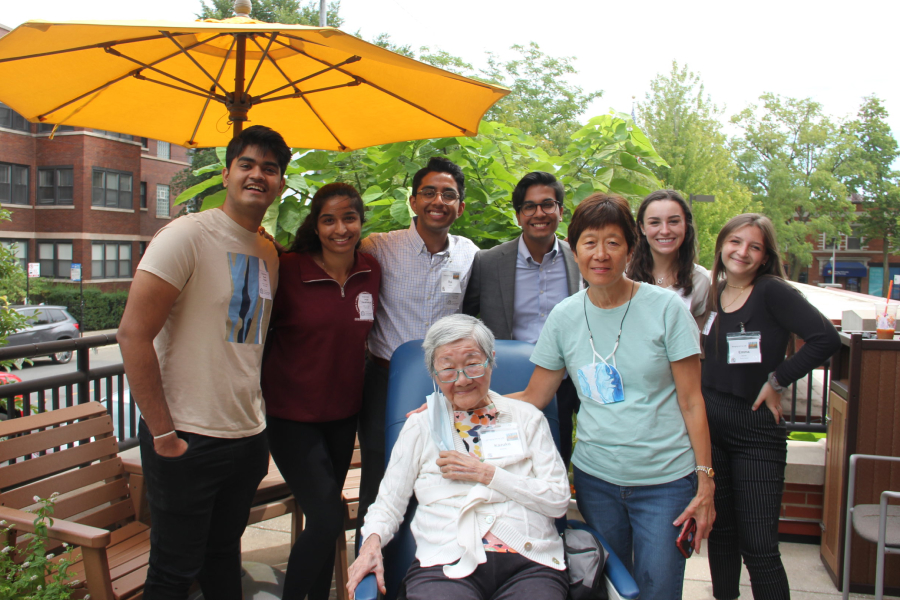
(289, 12)
(10, 320)
(872, 176)
(608, 154)
(685, 128)
(791, 157)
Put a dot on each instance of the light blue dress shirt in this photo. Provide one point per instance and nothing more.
(539, 287)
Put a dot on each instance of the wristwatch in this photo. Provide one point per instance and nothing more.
(708, 470)
(773, 381)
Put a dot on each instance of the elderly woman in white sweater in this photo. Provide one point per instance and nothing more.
(489, 482)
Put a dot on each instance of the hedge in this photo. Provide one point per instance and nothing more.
(102, 310)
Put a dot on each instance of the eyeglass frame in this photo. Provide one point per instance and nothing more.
(431, 190)
(484, 365)
(558, 209)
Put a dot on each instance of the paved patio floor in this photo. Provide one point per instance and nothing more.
(269, 542)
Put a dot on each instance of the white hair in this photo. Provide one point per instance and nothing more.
(454, 328)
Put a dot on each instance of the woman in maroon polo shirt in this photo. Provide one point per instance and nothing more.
(312, 374)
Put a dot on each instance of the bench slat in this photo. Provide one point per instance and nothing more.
(64, 460)
(50, 418)
(62, 483)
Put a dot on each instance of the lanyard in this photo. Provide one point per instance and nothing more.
(618, 337)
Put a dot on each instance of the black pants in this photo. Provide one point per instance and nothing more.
(567, 403)
(371, 436)
(199, 504)
(313, 459)
(505, 576)
(749, 452)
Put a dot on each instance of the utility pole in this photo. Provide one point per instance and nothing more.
(322, 14)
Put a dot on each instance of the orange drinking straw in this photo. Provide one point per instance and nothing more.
(888, 301)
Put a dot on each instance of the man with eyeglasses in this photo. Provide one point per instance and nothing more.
(515, 285)
(424, 273)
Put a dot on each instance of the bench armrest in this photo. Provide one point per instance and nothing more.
(62, 530)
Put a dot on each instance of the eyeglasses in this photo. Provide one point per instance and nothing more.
(447, 196)
(548, 206)
(471, 371)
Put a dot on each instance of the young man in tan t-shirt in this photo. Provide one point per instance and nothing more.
(192, 339)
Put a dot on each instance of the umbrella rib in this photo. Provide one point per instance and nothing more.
(264, 57)
(301, 94)
(203, 94)
(377, 87)
(212, 89)
(341, 144)
(80, 48)
(115, 52)
(294, 83)
(184, 51)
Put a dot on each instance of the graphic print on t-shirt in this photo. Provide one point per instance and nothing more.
(245, 309)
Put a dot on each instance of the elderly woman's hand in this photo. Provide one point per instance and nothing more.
(702, 509)
(462, 467)
(368, 561)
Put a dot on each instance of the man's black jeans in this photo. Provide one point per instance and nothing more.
(199, 505)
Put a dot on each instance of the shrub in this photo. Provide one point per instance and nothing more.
(102, 310)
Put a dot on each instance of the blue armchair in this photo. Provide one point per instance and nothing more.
(408, 386)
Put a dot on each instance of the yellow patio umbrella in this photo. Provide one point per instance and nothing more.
(195, 84)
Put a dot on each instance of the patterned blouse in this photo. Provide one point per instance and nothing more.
(469, 424)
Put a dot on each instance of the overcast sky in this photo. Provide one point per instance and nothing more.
(834, 53)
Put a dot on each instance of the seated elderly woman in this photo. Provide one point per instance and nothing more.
(488, 478)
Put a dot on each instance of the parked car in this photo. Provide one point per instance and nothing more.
(46, 324)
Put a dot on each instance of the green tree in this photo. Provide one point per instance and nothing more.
(543, 102)
(10, 320)
(685, 128)
(608, 154)
(289, 12)
(791, 157)
(874, 178)
(197, 174)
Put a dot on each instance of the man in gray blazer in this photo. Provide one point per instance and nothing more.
(514, 286)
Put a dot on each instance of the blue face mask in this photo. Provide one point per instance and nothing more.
(601, 381)
(439, 420)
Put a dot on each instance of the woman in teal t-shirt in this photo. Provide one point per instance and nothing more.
(634, 352)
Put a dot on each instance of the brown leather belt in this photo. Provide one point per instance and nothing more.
(381, 362)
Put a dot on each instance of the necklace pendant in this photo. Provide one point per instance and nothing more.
(660, 280)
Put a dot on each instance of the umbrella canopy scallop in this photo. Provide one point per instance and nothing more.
(186, 83)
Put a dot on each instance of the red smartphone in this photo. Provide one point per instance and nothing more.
(685, 541)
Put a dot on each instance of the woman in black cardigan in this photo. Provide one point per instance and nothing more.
(754, 312)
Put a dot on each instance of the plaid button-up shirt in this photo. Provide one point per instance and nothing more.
(411, 299)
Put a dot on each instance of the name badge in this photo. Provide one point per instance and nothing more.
(500, 441)
(744, 347)
(265, 291)
(365, 307)
(451, 282)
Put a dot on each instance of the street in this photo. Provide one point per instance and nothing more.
(44, 367)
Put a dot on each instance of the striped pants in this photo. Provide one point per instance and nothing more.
(749, 452)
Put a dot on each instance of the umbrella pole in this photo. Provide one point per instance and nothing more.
(238, 106)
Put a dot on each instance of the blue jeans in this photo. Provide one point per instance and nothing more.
(637, 523)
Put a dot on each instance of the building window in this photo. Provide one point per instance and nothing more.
(110, 259)
(55, 259)
(145, 144)
(855, 241)
(10, 119)
(56, 186)
(48, 127)
(142, 247)
(162, 150)
(162, 200)
(112, 189)
(13, 184)
(143, 194)
(113, 134)
(20, 250)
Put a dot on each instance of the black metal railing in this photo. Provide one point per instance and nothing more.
(807, 421)
(106, 384)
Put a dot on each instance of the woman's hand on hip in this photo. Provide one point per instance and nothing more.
(772, 399)
(462, 467)
(368, 561)
(702, 508)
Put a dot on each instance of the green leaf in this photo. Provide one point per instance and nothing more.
(196, 189)
(372, 193)
(291, 215)
(270, 219)
(214, 168)
(583, 191)
(400, 211)
(220, 152)
(622, 186)
(214, 200)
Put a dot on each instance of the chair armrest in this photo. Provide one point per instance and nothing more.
(133, 466)
(64, 531)
(887, 495)
(616, 572)
(367, 588)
